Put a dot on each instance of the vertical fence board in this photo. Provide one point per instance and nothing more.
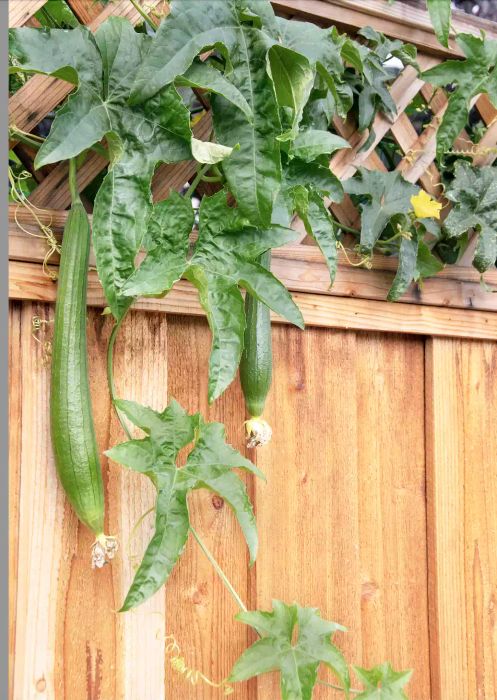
(346, 465)
(199, 609)
(392, 513)
(462, 534)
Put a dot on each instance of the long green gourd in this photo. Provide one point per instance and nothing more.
(73, 433)
(256, 365)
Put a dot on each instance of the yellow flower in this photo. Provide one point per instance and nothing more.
(425, 206)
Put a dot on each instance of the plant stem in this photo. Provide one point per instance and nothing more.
(343, 227)
(110, 374)
(200, 174)
(148, 20)
(338, 687)
(73, 183)
(218, 570)
(28, 141)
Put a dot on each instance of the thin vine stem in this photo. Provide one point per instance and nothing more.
(110, 374)
(148, 20)
(343, 227)
(219, 570)
(73, 184)
(200, 174)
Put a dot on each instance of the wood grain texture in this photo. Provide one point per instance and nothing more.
(69, 639)
(209, 638)
(462, 492)
(20, 11)
(28, 282)
(349, 477)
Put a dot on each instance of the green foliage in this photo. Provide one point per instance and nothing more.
(208, 466)
(297, 663)
(224, 259)
(474, 194)
(440, 11)
(384, 195)
(56, 14)
(382, 683)
(467, 78)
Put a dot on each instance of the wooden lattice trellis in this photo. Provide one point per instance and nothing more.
(300, 266)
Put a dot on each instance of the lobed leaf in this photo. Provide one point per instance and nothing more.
(297, 663)
(208, 466)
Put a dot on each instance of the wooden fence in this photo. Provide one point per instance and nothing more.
(382, 473)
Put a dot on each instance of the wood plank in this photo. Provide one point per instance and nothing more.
(25, 247)
(392, 507)
(47, 529)
(86, 11)
(22, 10)
(309, 549)
(15, 446)
(408, 24)
(27, 282)
(41, 93)
(462, 539)
(347, 461)
(209, 638)
(307, 272)
(140, 633)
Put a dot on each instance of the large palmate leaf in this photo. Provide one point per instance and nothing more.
(223, 260)
(466, 78)
(416, 263)
(297, 663)
(474, 193)
(139, 137)
(253, 170)
(382, 683)
(209, 466)
(384, 195)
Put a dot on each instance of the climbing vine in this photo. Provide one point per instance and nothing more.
(274, 88)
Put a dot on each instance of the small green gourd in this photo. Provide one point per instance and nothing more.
(73, 433)
(256, 365)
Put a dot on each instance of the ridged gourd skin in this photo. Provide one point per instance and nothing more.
(73, 433)
(256, 365)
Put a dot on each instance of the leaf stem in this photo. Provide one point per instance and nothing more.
(218, 570)
(200, 174)
(110, 374)
(73, 183)
(343, 227)
(148, 20)
(338, 687)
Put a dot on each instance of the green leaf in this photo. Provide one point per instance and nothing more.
(253, 171)
(474, 193)
(293, 79)
(207, 152)
(385, 195)
(204, 76)
(298, 172)
(371, 79)
(470, 77)
(440, 11)
(312, 143)
(297, 663)
(406, 269)
(139, 137)
(318, 224)
(382, 682)
(223, 261)
(208, 466)
(427, 264)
